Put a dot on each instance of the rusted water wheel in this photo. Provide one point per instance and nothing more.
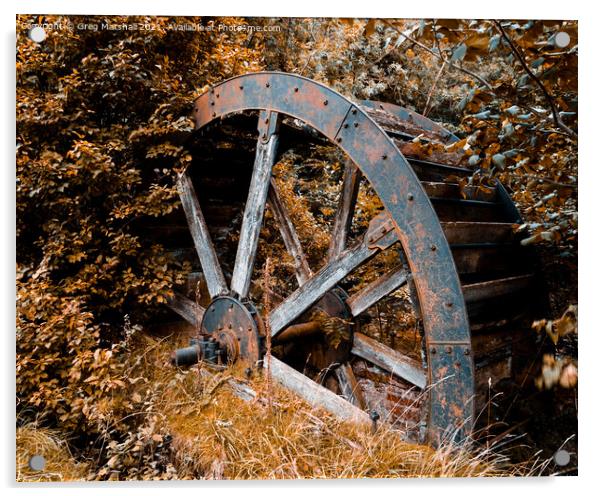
(403, 312)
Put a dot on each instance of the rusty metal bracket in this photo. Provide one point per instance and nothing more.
(380, 226)
(268, 124)
(451, 366)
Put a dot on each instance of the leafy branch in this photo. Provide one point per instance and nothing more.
(556, 115)
(440, 56)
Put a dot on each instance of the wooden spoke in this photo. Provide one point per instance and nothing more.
(265, 155)
(377, 290)
(289, 235)
(349, 386)
(389, 359)
(345, 209)
(324, 280)
(316, 395)
(187, 309)
(216, 284)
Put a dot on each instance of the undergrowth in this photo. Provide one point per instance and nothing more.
(205, 423)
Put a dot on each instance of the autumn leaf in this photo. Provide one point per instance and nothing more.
(563, 326)
(370, 28)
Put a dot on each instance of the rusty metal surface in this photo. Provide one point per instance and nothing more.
(334, 318)
(453, 369)
(234, 326)
(296, 332)
(415, 220)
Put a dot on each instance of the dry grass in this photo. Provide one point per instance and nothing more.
(216, 434)
(60, 464)
(212, 433)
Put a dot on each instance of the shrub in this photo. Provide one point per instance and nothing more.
(101, 116)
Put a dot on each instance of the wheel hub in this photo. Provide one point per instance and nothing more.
(235, 326)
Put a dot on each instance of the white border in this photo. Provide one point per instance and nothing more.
(590, 346)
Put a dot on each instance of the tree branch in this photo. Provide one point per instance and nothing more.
(427, 105)
(523, 63)
(439, 56)
(543, 179)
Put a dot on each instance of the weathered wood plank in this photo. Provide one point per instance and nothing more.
(324, 280)
(379, 288)
(450, 209)
(189, 310)
(314, 394)
(453, 190)
(497, 287)
(200, 235)
(433, 171)
(389, 359)
(349, 386)
(489, 259)
(476, 232)
(345, 209)
(267, 145)
(289, 235)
